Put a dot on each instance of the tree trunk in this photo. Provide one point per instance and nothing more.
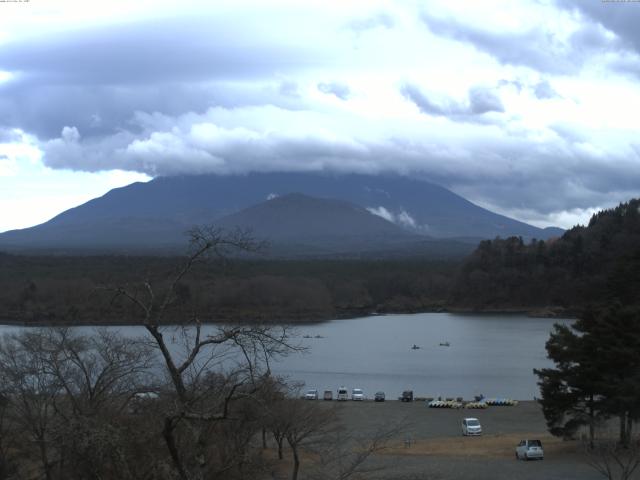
(167, 433)
(264, 438)
(591, 422)
(174, 373)
(296, 463)
(623, 429)
(279, 442)
(45, 460)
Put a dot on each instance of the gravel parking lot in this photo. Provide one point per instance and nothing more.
(437, 449)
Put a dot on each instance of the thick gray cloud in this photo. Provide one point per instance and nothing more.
(537, 47)
(104, 109)
(484, 100)
(340, 90)
(96, 78)
(167, 50)
(532, 48)
(481, 100)
(621, 18)
(413, 93)
(501, 171)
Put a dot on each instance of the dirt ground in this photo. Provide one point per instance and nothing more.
(431, 445)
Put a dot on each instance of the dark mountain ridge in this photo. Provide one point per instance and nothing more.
(156, 214)
(295, 215)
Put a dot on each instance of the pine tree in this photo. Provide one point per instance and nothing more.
(596, 374)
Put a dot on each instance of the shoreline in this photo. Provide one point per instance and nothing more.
(546, 312)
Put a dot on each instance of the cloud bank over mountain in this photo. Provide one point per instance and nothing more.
(529, 112)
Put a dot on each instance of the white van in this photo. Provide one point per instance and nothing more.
(343, 394)
(471, 426)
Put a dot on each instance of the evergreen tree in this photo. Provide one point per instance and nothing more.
(596, 374)
(617, 333)
(570, 392)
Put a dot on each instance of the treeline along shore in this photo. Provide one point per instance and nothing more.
(79, 290)
(588, 266)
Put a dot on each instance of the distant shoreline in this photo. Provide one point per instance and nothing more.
(548, 312)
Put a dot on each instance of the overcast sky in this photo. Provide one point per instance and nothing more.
(528, 108)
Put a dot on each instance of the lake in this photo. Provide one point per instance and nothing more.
(490, 354)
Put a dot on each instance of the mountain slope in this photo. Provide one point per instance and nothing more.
(155, 214)
(299, 225)
(296, 216)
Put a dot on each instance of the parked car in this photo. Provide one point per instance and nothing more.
(141, 402)
(357, 394)
(311, 395)
(379, 397)
(529, 450)
(328, 395)
(343, 394)
(471, 426)
(407, 396)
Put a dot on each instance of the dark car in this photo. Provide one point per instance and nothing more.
(379, 397)
(407, 396)
(328, 395)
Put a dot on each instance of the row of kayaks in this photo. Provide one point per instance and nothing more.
(497, 402)
(501, 402)
(442, 344)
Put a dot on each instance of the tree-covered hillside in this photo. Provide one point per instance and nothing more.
(587, 265)
(59, 289)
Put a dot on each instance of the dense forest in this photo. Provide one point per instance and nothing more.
(75, 289)
(593, 265)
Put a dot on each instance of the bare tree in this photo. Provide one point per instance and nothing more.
(241, 353)
(346, 455)
(32, 392)
(274, 415)
(62, 387)
(613, 460)
(303, 423)
(6, 464)
(96, 372)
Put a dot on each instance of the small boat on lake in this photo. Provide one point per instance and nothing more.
(415, 347)
(307, 336)
(318, 336)
(445, 344)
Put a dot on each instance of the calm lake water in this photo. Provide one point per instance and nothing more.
(489, 354)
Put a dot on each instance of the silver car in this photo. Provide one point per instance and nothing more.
(357, 394)
(311, 395)
(471, 426)
(529, 450)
